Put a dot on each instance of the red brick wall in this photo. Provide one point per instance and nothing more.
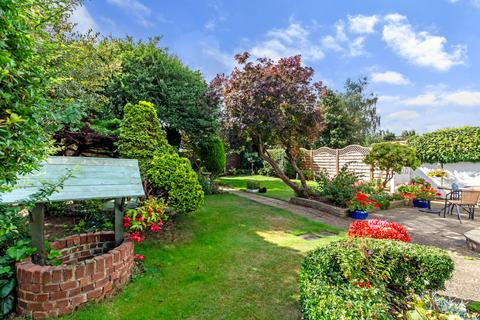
(47, 291)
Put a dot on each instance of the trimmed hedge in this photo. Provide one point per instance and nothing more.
(212, 155)
(448, 145)
(175, 178)
(140, 134)
(368, 278)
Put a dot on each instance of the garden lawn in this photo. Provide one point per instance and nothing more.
(276, 188)
(233, 259)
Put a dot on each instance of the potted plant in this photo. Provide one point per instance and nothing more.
(359, 206)
(442, 174)
(420, 192)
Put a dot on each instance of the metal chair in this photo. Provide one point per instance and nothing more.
(468, 201)
(454, 194)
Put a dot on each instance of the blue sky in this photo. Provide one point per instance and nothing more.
(422, 58)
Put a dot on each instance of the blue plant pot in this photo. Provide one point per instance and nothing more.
(421, 203)
(359, 215)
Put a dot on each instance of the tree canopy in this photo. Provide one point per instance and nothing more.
(183, 100)
(350, 117)
(273, 104)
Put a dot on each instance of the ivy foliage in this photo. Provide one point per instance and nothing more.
(212, 155)
(448, 145)
(140, 134)
(174, 176)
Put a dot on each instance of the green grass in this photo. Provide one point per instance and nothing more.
(233, 259)
(276, 188)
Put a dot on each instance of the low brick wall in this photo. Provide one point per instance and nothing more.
(92, 269)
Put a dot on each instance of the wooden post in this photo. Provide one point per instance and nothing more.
(337, 161)
(37, 232)
(119, 232)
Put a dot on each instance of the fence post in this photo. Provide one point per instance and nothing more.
(337, 161)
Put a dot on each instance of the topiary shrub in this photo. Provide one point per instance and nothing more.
(391, 157)
(140, 134)
(212, 155)
(368, 278)
(175, 178)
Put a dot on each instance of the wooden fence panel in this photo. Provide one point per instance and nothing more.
(332, 160)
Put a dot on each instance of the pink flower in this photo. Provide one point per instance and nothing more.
(139, 257)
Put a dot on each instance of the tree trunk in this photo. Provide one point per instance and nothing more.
(293, 162)
(299, 191)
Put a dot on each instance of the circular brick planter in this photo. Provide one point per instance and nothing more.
(92, 269)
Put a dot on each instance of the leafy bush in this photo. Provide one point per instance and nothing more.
(140, 134)
(279, 156)
(175, 178)
(212, 155)
(339, 189)
(378, 229)
(418, 189)
(14, 246)
(368, 278)
(440, 307)
(382, 199)
(253, 184)
(448, 145)
(149, 217)
(391, 157)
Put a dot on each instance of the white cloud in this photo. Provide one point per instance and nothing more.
(340, 42)
(390, 77)
(420, 48)
(362, 24)
(83, 20)
(463, 98)
(286, 42)
(403, 115)
(138, 10)
(388, 99)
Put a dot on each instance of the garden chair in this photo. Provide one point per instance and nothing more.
(468, 201)
(454, 194)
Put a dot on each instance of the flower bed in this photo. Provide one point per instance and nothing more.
(92, 269)
(378, 229)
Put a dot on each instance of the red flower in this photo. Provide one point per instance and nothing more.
(126, 222)
(154, 228)
(139, 257)
(376, 205)
(378, 229)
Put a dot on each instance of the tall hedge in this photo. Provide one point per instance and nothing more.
(140, 134)
(448, 145)
(212, 155)
(368, 278)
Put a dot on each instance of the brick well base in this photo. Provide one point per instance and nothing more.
(90, 271)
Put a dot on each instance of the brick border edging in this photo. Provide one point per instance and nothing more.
(48, 291)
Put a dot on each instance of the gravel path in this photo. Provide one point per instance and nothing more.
(424, 228)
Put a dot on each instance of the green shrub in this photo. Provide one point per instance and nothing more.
(253, 184)
(280, 158)
(382, 199)
(337, 190)
(391, 157)
(175, 178)
(212, 155)
(368, 278)
(448, 145)
(140, 134)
